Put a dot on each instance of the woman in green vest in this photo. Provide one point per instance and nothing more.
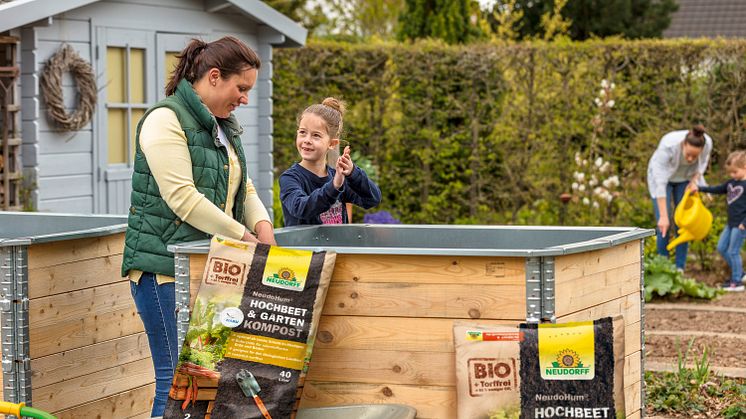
(189, 183)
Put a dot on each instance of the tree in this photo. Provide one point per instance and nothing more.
(449, 20)
(363, 19)
(602, 18)
(299, 11)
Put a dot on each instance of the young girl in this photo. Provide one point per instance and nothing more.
(312, 192)
(732, 237)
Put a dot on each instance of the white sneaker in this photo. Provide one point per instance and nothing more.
(734, 288)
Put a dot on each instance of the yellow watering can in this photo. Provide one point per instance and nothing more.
(692, 218)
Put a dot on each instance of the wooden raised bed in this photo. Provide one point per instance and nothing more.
(88, 352)
(386, 330)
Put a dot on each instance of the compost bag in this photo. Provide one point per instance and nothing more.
(544, 371)
(251, 332)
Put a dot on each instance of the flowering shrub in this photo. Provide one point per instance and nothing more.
(380, 217)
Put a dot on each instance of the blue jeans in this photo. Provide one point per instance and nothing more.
(729, 245)
(674, 192)
(156, 305)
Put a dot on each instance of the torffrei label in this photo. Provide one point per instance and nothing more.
(287, 268)
(567, 351)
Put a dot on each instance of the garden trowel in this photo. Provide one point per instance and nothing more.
(251, 388)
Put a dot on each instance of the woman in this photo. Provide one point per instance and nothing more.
(189, 183)
(681, 157)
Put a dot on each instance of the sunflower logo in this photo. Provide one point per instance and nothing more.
(568, 358)
(286, 274)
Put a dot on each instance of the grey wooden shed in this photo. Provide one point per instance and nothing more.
(131, 45)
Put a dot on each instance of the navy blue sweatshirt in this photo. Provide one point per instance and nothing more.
(309, 199)
(734, 190)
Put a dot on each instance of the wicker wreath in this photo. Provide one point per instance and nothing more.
(66, 59)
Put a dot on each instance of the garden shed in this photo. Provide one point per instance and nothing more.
(131, 46)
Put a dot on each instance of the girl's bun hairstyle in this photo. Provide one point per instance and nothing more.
(332, 111)
(335, 104)
(696, 136)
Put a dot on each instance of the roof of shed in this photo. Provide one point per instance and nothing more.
(17, 13)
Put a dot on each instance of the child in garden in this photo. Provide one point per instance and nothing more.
(732, 237)
(313, 192)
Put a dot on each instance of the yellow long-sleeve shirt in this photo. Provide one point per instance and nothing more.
(164, 145)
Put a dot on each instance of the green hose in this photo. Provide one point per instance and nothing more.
(30, 412)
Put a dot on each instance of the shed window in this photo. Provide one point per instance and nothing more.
(125, 91)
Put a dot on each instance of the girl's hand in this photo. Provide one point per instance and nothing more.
(344, 163)
(339, 178)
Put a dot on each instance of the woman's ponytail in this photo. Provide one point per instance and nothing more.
(185, 67)
(228, 54)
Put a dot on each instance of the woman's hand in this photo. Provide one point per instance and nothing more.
(265, 233)
(248, 237)
(741, 227)
(692, 187)
(663, 225)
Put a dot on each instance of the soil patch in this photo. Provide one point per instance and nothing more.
(686, 319)
(725, 352)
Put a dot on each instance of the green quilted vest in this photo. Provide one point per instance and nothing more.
(152, 226)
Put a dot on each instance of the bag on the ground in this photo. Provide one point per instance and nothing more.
(541, 371)
(251, 332)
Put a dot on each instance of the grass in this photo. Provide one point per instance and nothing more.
(695, 392)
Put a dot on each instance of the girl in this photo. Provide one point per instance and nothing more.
(312, 192)
(731, 239)
(681, 156)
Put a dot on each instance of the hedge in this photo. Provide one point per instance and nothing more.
(495, 133)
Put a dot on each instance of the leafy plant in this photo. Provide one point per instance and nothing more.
(695, 390)
(662, 278)
(204, 344)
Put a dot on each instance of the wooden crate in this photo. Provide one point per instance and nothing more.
(386, 330)
(89, 352)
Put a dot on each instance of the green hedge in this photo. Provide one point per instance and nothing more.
(490, 133)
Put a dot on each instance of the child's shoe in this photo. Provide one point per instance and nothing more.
(733, 287)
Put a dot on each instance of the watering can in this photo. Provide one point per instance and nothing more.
(692, 218)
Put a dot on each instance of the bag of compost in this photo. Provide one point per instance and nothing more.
(251, 332)
(487, 364)
(544, 371)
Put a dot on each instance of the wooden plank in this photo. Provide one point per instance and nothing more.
(632, 397)
(59, 187)
(122, 405)
(68, 277)
(632, 341)
(430, 401)
(82, 332)
(584, 264)
(88, 359)
(634, 415)
(431, 269)
(65, 164)
(400, 367)
(78, 204)
(427, 300)
(376, 366)
(73, 306)
(66, 251)
(197, 266)
(94, 386)
(632, 365)
(390, 333)
(597, 288)
(630, 306)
